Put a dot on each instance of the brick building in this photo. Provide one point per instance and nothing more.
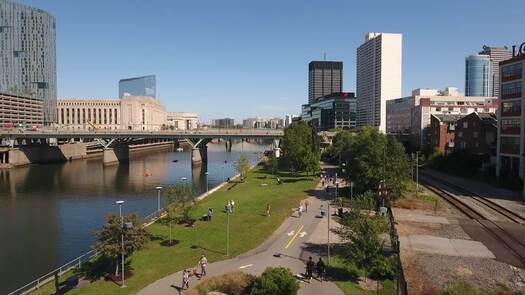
(477, 133)
(442, 131)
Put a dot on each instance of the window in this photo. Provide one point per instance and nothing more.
(511, 90)
(510, 126)
(511, 108)
(465, 124)
(475, 134)
(460, 134)
(511, 72)
(463, 145)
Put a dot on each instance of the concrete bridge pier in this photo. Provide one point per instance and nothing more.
(199, 151)
(116, 154)
(229, 145)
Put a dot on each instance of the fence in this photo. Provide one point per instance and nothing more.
(394, 238)
(73, 264)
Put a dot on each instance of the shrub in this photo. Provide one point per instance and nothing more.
(232, 283)
(275, 281)
(384, 268)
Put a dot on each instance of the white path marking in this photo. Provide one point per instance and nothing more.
(245, 266)
(303, 234)
(291, 233)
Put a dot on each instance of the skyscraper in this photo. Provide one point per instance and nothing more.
(478, 75)
(324, 77)
(379, 76)
(138, 86)
(497, 54)
(28, 54)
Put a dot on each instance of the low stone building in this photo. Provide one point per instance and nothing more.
(181, 120)
(142, 113)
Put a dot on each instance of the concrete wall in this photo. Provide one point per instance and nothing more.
(46, 154)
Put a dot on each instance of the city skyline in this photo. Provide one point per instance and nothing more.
(176, 48)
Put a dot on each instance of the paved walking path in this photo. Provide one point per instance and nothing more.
(295, 240)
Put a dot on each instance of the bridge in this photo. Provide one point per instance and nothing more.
(116, 143)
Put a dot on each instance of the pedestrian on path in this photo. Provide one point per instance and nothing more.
(185, 279)
(310, 265)
(203, 262)
(268, 210)
(232, 202)
(300, 210)
(306, 206)
(320, 268)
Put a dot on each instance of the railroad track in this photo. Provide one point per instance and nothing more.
(506, 239)
(510, 215)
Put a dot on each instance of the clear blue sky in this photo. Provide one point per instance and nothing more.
(250, 58)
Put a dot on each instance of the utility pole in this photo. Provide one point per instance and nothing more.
(417, 173)
(228, 232)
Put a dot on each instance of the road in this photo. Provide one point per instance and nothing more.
(295, 240)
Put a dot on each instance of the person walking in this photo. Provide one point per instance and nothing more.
(185, 279)
(232, 202)
(306, 206)
(203, 262)
(210, 214)
(310, 265)
(320, 268)
(268, 209)
(300, 210)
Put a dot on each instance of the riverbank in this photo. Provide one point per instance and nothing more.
(249, 228)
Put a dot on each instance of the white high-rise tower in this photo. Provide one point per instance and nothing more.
(379, 76)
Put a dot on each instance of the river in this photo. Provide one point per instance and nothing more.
(48, 212)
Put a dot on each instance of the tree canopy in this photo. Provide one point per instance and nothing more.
(370, 157)
(109, 244)
(242, 166)
(300, 148)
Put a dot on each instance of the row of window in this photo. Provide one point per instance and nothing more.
(511, 108)
(511, 72)
(72, 116)
(511, 90)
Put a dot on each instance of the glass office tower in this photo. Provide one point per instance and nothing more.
(28, 55)
(138, 86)
(478, 75)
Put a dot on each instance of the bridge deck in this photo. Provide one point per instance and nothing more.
(208, 133)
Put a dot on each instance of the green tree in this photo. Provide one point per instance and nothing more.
(300, 148)
(242, 166)
(275, 281)
(179, 204)
(109, 243)
(364, 248)
(371, 157)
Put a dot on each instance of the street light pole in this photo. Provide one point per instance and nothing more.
(120, 203)
(158, 188)
(207, 186)
(228, 232)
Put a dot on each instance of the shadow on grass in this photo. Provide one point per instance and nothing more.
(100, 268)
(193, 246)
(156, 237)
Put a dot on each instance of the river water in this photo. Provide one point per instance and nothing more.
(48, 212)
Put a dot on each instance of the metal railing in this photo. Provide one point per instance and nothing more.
(42, 280)
(73, 264)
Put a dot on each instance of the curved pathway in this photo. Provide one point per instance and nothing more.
(290, 245)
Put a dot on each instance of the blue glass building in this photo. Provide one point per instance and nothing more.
(478, 75)
(138, 86)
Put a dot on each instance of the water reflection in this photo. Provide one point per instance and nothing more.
(48, 212)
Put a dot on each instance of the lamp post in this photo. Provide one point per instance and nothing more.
(158, 188)
(228, 230)
(120, 203)
(207, 185)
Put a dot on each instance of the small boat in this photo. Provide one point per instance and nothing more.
(175, 161)
(179, 149)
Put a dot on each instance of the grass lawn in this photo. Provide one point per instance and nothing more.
(249, 228)
(345, 276)
(425, 199)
